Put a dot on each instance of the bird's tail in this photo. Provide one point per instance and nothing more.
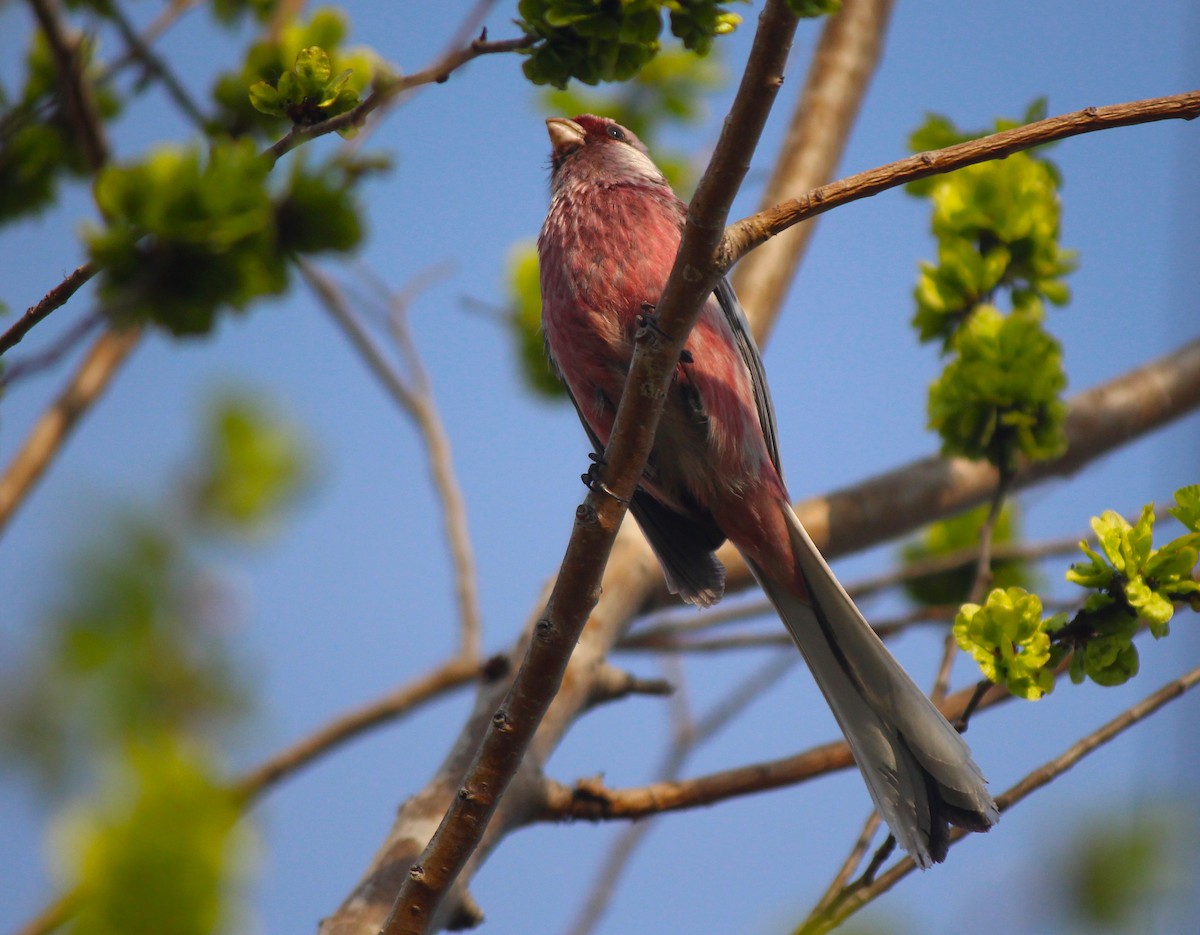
(917, 767)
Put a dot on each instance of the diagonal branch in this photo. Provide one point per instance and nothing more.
(84, 388)
(78, 100)
(748, 233)
(417, 401)
(514, 724)
(387, 88)
(452, 674)
(55, 298)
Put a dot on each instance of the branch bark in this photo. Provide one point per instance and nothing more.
(424, 891)
(876, 511)
(749, 233)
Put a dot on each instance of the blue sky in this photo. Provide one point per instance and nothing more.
(356, 595)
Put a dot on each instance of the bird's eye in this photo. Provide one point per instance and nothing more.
(617, 134)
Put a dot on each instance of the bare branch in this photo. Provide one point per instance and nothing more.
(452, 674)
(30, 365)
(418, 402)
(591, 800)
(843, 65)
(748, 233)
(52, 429)
(153, 64)
(855, 897)
(55, 298)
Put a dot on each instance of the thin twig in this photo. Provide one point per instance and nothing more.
(415, 397)
(591, 800)
(388, 87)
(30, 365)
(55, 298)
(52, 917)
(153, 64)
(855, 897)
(981, 579)
(450, 675)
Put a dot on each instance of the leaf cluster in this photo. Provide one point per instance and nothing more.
(307, 93)
(996, 226)
(612, 40)
(1131, 583)
(297, 74)
(185, 236)
(1000, 396)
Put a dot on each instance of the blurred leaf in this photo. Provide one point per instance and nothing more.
(38, 144)
(254, 466)
(525, 321)
(1119, 867)
(957, 534)
(155, 853)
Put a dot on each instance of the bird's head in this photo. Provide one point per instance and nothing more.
(596, 149)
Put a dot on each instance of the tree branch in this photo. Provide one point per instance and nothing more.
(748, 233)
(434, 683)
(417, 401)
(590, 800)
(514, 724)
(153, 64)
(76, 91)
(52, 429)
(55, 298)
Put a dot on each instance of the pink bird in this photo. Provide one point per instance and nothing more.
(606, 250)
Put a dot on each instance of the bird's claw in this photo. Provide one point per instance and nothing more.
(647, 322)
(593, 478)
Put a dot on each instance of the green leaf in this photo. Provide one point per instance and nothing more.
(1007, 638)
(1187, 507)
(254, 466)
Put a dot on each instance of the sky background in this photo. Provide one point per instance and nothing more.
(355, 595)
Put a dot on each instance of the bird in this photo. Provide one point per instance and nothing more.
(605, 252)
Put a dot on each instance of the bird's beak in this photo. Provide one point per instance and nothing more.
(564, 132)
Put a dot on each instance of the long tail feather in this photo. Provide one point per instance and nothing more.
(918, 769)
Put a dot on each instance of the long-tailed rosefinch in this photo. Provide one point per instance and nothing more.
(606, 249)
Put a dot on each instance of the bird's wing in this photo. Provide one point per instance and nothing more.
(736, 317)
(684, 544)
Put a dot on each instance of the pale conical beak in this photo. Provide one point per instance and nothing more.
(564, 132)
